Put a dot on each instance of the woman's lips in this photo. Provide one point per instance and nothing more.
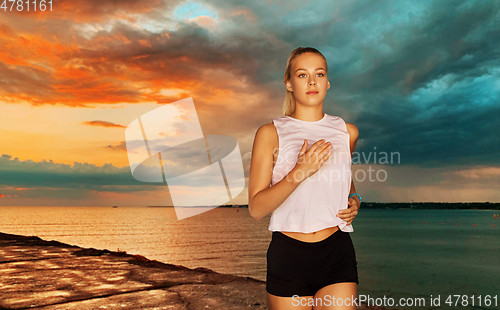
(312, 93)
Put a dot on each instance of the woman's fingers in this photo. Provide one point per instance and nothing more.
(316, 145)
(325, 157)
(321, 151)
(304, 148)
(350, 213)
(327, 149)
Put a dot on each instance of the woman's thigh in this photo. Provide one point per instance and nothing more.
(338, 296)
(288, 303)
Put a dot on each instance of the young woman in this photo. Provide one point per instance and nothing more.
(301, 173)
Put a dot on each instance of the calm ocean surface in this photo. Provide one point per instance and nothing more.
(395, 259)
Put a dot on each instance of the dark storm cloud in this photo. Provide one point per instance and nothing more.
(436, 99)
(419, 78)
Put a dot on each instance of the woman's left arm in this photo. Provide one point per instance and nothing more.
(353, 203)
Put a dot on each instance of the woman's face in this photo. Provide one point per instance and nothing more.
(308, 73)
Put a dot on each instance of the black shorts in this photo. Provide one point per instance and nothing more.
(301, 268)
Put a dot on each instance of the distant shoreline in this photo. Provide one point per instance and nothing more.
(486, 206)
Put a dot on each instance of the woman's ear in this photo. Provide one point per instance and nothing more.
(328, 85)
(289, 86)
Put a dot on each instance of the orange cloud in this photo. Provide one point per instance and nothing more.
(103, 124)
(145, 43)
(248, 14)
(479, 173)
(205, 21)
(113, 62)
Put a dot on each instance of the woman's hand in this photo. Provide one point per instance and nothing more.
(350, 213)
(308, 162)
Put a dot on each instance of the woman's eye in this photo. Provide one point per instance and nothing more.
(304, 74)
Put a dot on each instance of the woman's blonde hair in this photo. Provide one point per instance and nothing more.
(289, 103)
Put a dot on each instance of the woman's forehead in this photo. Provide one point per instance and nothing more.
(308, 61)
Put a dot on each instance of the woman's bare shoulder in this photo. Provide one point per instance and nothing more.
(353, 136)
(353, 130)
(267, 132)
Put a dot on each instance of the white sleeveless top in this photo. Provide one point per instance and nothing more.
(314, 204)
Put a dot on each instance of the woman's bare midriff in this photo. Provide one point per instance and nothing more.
(312, 237)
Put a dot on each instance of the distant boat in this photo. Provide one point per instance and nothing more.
(115, 206)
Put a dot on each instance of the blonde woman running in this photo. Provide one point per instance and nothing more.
(301, 173)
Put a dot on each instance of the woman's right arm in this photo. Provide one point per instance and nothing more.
(263, 199)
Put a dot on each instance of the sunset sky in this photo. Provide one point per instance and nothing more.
(421, 78)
